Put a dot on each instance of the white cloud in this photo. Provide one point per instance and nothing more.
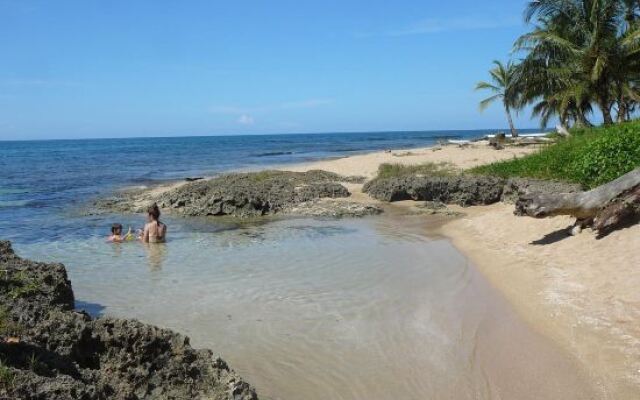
(236, 110)
(466, 23)
(246, 119)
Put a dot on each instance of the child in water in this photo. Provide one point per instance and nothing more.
(116, 234)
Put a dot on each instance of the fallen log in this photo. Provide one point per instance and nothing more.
(623, 208)
(604, 208)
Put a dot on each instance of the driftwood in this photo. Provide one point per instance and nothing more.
(604, 208)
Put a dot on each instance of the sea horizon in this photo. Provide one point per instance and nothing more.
(355, 132)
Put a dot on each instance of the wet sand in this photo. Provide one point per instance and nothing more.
(581, 291)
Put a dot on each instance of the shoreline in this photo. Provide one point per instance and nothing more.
(562, 286)
(575, 291)
(578, 291)
(361, 165)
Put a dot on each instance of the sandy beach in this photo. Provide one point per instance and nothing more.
(579, 291)
(461, 157)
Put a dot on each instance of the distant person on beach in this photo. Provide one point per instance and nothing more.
(116, 234)
(154, 230)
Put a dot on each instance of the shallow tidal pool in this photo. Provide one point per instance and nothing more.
(373, 308)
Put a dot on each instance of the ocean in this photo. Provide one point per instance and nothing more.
(43, 182)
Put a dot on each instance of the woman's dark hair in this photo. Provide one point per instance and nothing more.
(154, 211)
(116, 228)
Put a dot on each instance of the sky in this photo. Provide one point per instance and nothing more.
(89, 68)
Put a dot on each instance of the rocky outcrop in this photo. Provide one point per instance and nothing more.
(253, 194)
(464, 190)
(460, 189)
(247, 195)
(334, 209)
(50, 351)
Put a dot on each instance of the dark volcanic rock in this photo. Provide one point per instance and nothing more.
(334, 209)
(461, 189)
(63, 354)
(464, 190)
(241, 195)
(252, 194)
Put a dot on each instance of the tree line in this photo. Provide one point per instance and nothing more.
(581, 57)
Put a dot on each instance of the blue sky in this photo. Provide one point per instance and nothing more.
(88, 68)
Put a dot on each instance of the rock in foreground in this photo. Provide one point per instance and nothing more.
(48, 351)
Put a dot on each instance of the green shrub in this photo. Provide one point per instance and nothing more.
(20, 284)
(590, 157)
(6, 376)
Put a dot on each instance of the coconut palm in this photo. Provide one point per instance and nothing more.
(632, 8)
(585, 51)
(502, 87)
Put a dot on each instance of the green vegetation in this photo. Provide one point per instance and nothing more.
(431, 169)
(502, 86)
(580, 55)
(263, 176)
(7, 326)
(22, 285)
(6, 375)
(36, 365)
(590, 157)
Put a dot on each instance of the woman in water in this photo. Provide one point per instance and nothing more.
(154, 230)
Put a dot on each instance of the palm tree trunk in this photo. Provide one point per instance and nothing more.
(514, 133)
(564, 121)
(581, 120)
(622, 111)
(605, 106)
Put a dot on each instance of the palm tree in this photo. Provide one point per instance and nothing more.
(586, 47)
(502, 87)
(632, 7)
(552, 81)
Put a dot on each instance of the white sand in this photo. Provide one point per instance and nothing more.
(579, 290)
(460, 156)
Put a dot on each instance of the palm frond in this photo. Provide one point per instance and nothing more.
(484, 104)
